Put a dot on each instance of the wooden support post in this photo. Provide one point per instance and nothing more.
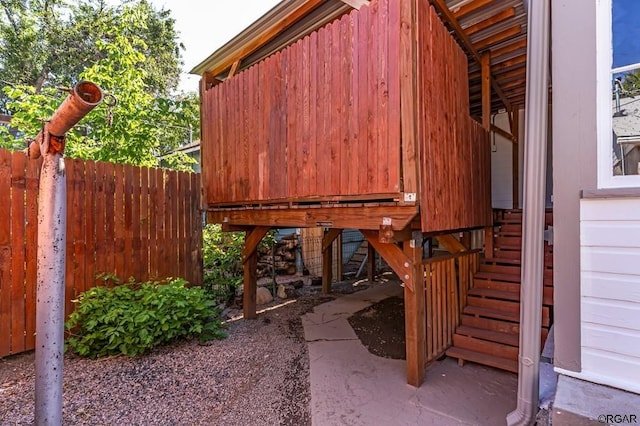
(371, 263)
(327, 258)
(515, 157)
(250, 263)
(415, 314)
(340, 255)
(485, 66)
(488, 242)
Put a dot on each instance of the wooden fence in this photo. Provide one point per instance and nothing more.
(121, 220)
(448, 278)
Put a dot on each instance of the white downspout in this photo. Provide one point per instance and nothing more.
(535, 159)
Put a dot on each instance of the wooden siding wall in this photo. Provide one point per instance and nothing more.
(455, 152)
(318, 119)
(448, 278)
(610, 292)
(122, 220)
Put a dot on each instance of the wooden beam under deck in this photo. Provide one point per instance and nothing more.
(365, 217)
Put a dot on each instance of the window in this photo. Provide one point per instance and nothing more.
(619, 93)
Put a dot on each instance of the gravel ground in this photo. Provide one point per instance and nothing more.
(259, 375)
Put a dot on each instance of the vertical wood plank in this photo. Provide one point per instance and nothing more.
(335, 109)
(152, 235)
(344, 59)
(18, 309)
(372, 107)
(110, 240)
(33, 176)
(69, 283)
(144, 222)
(77, 217)
(128, 223)
(196, 250)
(254, 120)
(5, 253)
(364, 141)
(100, 240)
(382, 102)
(183, 191)
(119, 223)
(324, 141)
(189, 196)
(136, 243)
(304, 168)
(393, 83)
(314, 79)
(353, 94)
(173, 223)
(160, 240)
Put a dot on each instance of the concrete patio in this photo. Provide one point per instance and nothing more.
(351, 386)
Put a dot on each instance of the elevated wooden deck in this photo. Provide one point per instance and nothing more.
(371, 111)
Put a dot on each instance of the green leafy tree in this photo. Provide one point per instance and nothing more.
(50, 42)
(140, 126)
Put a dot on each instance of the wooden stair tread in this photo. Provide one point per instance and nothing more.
(505, 260)
(494, 294)
(509, 292)
(510, 278)
(491, 313)
(501, 310)
(511, 339)
(491, 361)
(496, 276)
(490, 324)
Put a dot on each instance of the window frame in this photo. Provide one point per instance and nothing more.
(604, 110)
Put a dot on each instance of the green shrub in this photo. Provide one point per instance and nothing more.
(133, 318)
(222, 254)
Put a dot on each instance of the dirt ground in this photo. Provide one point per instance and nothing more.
(258, 375)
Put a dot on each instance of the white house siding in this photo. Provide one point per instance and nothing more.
(610, 291)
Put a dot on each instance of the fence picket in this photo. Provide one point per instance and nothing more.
(117, 217)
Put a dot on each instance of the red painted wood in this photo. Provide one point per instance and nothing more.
(31, 232)
(17, 207)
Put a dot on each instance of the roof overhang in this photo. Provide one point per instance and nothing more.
(284, 24)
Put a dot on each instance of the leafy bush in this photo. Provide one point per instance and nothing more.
(222, 253)
(133, 318)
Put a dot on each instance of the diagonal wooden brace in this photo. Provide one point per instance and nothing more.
(401, 264)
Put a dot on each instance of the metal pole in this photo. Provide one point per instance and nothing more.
(52, 222)
(536, 128)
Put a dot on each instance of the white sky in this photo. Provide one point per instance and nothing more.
(205, 25)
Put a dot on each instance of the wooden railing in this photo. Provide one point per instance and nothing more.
(121, 220)
(448, 278)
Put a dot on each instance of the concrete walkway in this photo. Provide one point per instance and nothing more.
(350, 386)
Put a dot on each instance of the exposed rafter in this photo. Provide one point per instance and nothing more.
(451, 20)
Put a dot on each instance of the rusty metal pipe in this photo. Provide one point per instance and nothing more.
(52, 223)
(81, 100)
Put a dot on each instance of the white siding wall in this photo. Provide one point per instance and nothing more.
(501, 166)
(610, 287)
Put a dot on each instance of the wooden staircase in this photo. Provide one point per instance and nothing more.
(490, 322)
